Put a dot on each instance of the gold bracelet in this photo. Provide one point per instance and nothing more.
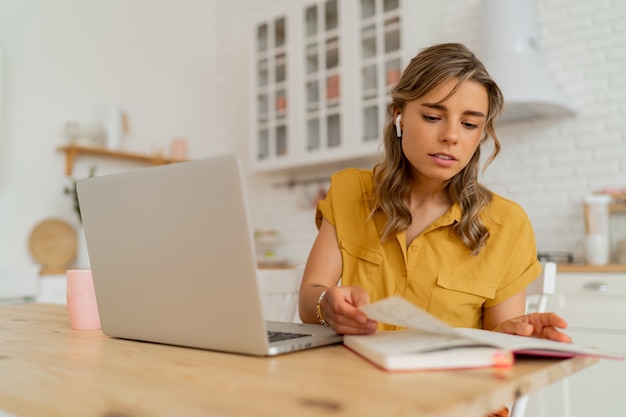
(318, 311)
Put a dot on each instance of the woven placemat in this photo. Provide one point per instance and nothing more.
(53, 244)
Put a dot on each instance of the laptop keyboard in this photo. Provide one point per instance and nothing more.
(275, 336)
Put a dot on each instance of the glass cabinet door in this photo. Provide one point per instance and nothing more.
(380, 62)
(322, 79)
(272, 75)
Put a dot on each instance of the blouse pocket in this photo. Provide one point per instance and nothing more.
(459, 301)
(360, 265)
(471, 287)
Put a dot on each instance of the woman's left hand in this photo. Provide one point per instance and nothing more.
(541, 325)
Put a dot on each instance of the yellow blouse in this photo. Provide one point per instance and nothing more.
(437, 271)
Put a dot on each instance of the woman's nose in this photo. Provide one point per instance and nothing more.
(450, 133)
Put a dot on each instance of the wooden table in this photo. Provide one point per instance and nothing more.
(47, 369)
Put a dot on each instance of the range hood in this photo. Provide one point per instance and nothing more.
(511, 54)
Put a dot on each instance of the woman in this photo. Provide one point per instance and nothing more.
(420, 225)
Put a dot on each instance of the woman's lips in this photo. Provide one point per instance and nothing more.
(443, 159)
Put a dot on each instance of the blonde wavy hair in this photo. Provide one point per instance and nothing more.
(393, 177)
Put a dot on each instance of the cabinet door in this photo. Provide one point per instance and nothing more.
(594, 391)
(380, 63)
(322, 77)
(271, 81)
(389, 34)
(599, 390)
(594, 306)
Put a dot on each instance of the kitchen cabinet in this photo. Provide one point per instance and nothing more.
(594, 305)
(322, 72)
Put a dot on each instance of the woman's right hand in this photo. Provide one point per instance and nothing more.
(340, 309)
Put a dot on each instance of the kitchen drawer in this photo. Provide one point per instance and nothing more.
(591, 300)
(615, 282)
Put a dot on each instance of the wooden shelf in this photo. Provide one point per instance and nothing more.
(590, 268)
(617, 208)
(73, 151)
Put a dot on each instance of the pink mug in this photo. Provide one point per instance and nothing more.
(179, 149)
(81, 300)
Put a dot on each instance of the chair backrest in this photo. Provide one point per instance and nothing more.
(279, 290)
(537, 294)
(540, 289)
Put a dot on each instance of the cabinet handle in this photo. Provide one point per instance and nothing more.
(597, 286)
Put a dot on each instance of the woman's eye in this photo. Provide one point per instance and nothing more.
(470, 125)
(429, 118)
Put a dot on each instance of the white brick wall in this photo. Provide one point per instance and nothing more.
(583, 45)
(547, 166)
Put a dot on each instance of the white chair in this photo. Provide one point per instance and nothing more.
(279, 289)
(540, 289)
(537, 294)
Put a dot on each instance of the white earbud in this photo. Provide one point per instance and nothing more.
(398, 128)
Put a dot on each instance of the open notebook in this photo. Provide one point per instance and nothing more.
(173, 261)
(428, 343)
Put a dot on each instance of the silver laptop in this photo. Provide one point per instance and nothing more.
(173, 260)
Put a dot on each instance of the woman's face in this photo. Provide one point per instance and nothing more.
(440, 137)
